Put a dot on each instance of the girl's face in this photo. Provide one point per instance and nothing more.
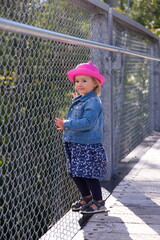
(84, 84)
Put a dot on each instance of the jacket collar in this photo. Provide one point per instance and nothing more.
(85, 97)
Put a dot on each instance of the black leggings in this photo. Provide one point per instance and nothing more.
(88, 187)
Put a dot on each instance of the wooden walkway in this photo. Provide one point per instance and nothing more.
(134, 206)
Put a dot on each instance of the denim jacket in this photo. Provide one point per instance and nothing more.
(84, 122)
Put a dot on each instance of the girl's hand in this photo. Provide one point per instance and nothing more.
(59, 123)
(74, 95)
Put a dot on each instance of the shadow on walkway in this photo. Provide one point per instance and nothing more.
(102, 227)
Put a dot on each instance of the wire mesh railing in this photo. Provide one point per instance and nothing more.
(34, 90)
(132, 93)
(36, 190)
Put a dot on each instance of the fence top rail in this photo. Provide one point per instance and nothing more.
(16, 27)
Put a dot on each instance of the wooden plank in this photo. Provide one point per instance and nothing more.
(114, 236)
(141, 210)
(140, 202)
(138, 195)
(132, 228)
(144, 188)
(127, 218)
(137, 199)
(133, 218)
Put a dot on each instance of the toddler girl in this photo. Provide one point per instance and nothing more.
(83, 137)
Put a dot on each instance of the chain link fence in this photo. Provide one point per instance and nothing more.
(36, 190)
(131, 92)
(34, 90)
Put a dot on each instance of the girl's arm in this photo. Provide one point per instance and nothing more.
(87, 121)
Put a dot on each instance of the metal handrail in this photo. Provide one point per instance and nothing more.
(16, 27)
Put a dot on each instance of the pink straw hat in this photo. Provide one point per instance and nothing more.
(88, 69)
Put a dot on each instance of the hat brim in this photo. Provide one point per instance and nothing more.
(75, 72)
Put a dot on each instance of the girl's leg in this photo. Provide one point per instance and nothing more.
(95, 188)
(97, 205)
(85, 192)
(82, 186)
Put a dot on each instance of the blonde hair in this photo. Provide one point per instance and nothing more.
(98, 87)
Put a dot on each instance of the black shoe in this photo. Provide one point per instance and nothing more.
(89, 210)
(77, 206)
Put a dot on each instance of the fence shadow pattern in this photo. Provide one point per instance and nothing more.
(36, 191)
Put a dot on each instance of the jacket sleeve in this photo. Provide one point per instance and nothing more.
(90, 116)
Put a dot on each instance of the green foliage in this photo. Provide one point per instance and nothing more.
(145, 12)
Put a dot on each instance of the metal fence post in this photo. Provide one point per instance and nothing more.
(101, 31)
(156, 76)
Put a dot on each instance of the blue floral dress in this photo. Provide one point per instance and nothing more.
(86, 160)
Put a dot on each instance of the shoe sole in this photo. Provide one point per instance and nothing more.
(95, 211)
(76, 210)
